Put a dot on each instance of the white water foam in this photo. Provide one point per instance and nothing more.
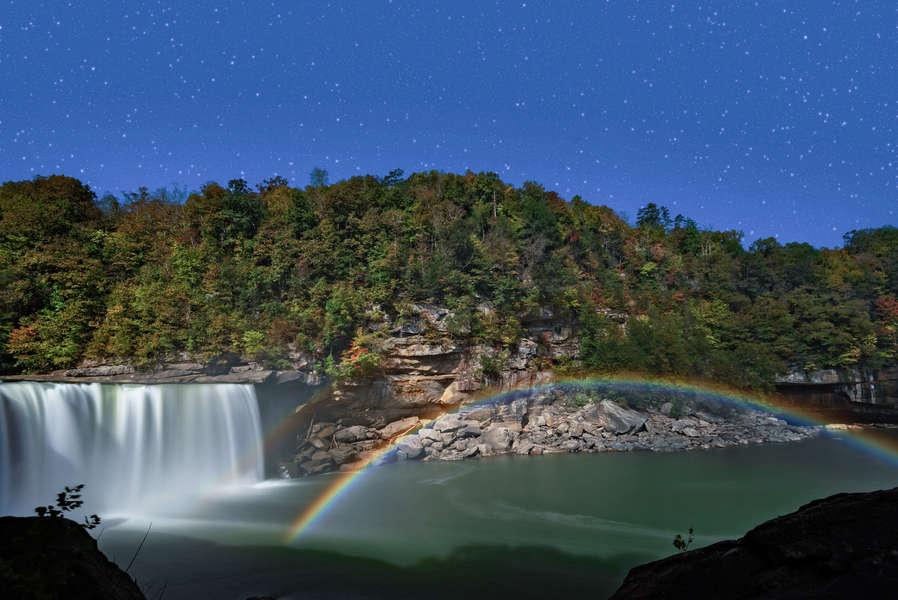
(131, 445)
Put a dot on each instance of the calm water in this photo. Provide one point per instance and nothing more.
(522, 525)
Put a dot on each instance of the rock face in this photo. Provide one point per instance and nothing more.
(428, 362)
(844, 546)
(183, 368)
(56, 558)
(835, 387)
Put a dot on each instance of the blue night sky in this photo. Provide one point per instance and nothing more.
(775, 118)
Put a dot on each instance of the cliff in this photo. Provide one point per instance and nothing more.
(844, 546)
(426, 369)
(424, 362)
(837, 389)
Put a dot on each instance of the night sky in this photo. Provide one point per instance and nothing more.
(775, 118)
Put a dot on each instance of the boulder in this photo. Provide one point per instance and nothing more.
(497, 439)
(410, 447)
(316, 465)
(430, 434)
(324, 430)
(397, 427)
(472, 450)
(681, 424)
(619, 420)
(522, 446)
(514, 410)
(480, 413)
(452, 423)
(342, 454)
(448, 423)
(452, 395)
(354, 433)
(570, 445)
(470, 431)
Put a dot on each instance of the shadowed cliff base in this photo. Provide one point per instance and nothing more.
(843, 546)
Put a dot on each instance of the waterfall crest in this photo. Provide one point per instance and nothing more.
(132, 445)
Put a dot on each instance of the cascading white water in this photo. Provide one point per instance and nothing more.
(131, 445)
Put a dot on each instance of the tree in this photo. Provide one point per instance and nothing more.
(391, 179)
(318, 177)
(66, 501)
(38, 210)
(271, 269)
(652, 216)
(682, 544)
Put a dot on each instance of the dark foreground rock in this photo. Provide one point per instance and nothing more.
(844, 546)
(50, 558)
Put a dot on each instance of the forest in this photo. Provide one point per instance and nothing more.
(262, 271)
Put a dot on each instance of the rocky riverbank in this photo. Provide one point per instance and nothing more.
(844, 546)
(541, 423)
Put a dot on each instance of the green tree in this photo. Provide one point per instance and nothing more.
(318, 177)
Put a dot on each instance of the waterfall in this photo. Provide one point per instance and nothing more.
(133, 446)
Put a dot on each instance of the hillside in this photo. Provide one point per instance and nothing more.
(274, 273)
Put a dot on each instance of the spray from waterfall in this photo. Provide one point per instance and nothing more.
(134, 446)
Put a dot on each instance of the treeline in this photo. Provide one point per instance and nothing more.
(268, 270)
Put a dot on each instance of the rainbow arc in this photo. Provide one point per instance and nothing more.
(344, 482)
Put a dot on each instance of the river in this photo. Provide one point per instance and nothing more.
(590, 516)
(510, 525)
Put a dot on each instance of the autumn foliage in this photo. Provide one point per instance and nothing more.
(276, 270)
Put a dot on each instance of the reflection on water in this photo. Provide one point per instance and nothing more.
(529, 522)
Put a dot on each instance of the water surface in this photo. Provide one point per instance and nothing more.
(524, 524)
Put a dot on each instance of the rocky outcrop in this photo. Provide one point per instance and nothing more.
(183, 368)
(56, 558)
(423, 364)
(427, 361)
(426, 373)
(540, 423)
(833, 387)
(844, 546)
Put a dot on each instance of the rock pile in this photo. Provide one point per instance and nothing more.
(541, 424)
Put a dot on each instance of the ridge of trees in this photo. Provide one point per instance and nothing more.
(272, 270)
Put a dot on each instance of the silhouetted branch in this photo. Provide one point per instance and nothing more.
(133, 558)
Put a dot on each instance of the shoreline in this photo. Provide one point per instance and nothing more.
(546, 423)
(350, 469)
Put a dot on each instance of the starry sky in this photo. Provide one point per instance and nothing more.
(774, 118)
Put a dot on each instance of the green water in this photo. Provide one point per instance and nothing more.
(533, 521)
